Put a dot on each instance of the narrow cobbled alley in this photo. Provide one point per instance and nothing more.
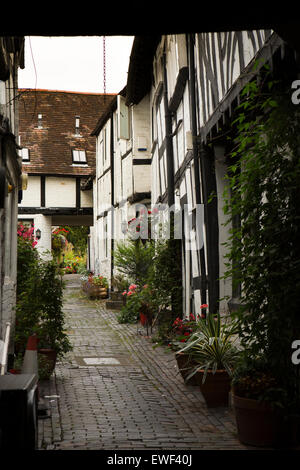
(115, 391)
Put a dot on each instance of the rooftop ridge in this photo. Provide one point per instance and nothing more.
(67, 91)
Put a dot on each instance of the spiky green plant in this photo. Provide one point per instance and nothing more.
(212, 346)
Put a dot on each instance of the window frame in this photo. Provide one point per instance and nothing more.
(25, 160)
(79, 162)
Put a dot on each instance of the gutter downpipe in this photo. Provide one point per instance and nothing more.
(196, 154)
(112, 195)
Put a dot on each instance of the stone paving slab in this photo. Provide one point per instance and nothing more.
(141, 403)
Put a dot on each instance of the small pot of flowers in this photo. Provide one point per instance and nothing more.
(97, 287)
(181, 331)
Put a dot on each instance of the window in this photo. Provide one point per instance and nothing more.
(24, 153)
(40, 121)
(79, 156)
(77, 125)
(123, 118)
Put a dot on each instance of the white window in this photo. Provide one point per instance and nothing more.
(79, 156)
(77, 125)
(40, 121)
(122, 118)
(24, 153)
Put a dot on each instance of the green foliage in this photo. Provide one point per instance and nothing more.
(253, 379)
(45, 367)
(165, 281)
(138, 300)
(211, 346)
(134, 260)
(77, 235)
(73, 263)
(264, 250)
(39, 301)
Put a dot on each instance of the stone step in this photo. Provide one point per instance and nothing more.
(114, 304)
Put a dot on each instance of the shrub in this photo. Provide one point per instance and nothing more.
(39, 300)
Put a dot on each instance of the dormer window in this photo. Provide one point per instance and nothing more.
(40, 121)
(77, 125)
(79, 156)
(24, 153)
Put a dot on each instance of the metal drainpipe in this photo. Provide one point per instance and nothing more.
(112, 194)
(192, 92)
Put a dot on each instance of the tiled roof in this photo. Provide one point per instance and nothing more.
(51, 146)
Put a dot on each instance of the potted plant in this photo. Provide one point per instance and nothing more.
(211, 347)
(260, 405)
(45, 367)
(96, 286)
(180, 333)
(139, 304)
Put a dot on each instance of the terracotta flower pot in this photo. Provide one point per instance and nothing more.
(50, 354)
(216, 387)
(185, 366)
(143, 319)
(260, 425)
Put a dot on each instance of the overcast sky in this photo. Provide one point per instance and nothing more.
(75, 63)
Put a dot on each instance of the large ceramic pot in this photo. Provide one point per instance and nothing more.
(185, 365)
(260, 425)
(51, 355)
(216, 387)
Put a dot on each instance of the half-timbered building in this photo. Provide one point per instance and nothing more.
(11, 58)
(123, 179)
(193, 83)
(58, 154)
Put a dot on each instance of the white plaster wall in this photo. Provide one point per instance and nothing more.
(86, 198)
(142, 178)
(32, 195)
(44, 223)
(127, 176)
(225, 285)
(60, 192)
(141, 129)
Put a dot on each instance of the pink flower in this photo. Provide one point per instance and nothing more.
(145, 286)
(129, 293)
(124, 293)
(132, 287)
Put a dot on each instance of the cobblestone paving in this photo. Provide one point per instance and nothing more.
(138, 403)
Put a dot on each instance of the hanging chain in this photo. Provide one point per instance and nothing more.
(104, 67)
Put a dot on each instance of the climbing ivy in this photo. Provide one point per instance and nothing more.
(262, 202)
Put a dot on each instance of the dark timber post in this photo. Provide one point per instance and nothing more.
(192, 92)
